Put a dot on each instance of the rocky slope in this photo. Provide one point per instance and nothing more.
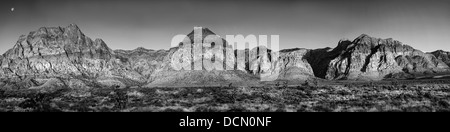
(290, 65)
(369, 58)
(442, 55)
(184, 65)
(141, 60)
(55, 57)
(64, 54)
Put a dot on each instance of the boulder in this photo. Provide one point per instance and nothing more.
(62, 52)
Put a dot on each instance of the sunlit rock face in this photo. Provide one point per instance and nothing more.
(204, 58)
(369, 58)
(56, 51)
(212, 60)
(63, 52)
(293, 65)
(65, 55)
(289, 64)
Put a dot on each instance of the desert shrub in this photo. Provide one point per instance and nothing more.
(220, 98)
(443, 110)
(205, 109)
(429, 96)
(285, 84)
(230, 85)
(120, 98)
(84, 104)
(404, 86)
(244, 90)
(280, 110)
(405, 97)
(221, 95)
(394, 110)
(40, 102)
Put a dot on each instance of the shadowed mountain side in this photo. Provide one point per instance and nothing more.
(288, 66)
(66, 54)
(143, 61)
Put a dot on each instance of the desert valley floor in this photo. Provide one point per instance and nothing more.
(429, 94)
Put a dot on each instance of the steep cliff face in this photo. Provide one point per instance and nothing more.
(290, 65)
(294, 66)
(65, 53)
(370, 58)
(55, 57)
(64, 56)
(141, 60)
(257, 64)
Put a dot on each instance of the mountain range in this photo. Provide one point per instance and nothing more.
(54, 57)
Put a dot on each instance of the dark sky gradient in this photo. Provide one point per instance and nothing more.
(127, 24)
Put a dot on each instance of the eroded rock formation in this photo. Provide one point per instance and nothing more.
(57, 57)
(442, 55)
(64, 53)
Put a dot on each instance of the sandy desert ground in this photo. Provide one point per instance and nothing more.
(415, 95)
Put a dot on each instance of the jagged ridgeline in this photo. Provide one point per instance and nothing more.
(369, 58)
(54, 57)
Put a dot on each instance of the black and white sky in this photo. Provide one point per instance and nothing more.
(128, 24)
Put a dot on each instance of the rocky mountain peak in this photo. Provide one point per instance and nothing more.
(365, 39)
(442, 55)
(71, 30)
(205, 32)
(141, 49)
(363, 36)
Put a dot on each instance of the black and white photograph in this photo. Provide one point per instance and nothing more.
(244, 56)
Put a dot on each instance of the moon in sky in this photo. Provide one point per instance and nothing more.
(12, 9)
